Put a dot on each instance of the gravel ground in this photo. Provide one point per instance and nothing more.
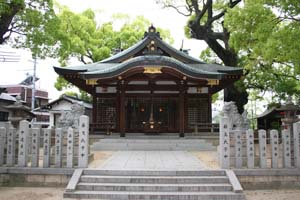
(33, 193)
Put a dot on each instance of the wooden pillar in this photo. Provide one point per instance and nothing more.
(209, 109)
(94, 114)
(122, 110)
(181, 109)
(118, 100)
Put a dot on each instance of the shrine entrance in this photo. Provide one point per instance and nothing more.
(152, 114)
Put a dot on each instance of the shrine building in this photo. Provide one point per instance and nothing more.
(150, 87)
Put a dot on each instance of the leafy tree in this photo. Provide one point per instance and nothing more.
(26, 21)
(79, 36)
(265, 33)
(206, 22)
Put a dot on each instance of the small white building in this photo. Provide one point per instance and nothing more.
(64, 104)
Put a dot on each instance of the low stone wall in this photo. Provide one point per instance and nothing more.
(256, 179)
(54, 177)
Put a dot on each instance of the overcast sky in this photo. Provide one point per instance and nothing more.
(14, 73)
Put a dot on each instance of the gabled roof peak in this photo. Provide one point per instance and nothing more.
(152, 32)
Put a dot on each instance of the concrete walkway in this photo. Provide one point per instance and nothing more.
(152, 160)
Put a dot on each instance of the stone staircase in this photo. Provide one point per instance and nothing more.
(153, 144)
(122, 184)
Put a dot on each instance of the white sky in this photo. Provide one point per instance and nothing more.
(13, 73)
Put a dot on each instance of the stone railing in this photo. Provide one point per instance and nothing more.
(269, 149)
(35, 147)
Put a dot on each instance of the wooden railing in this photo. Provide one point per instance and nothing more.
(204, 127)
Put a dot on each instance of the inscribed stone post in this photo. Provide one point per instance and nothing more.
(286, 140)
(238, 149)
(296, 128)
(250, 148)
(58, 147)
(262, 135)
(274, 147)
(11, 147)
(23, 143)
(70, 148)
(224, 143)
(35, 146)
(47, 147)
(83, 151)
(2, 144)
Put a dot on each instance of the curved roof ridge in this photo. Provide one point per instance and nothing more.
(152, 60)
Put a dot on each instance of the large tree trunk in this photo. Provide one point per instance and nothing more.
(6, 19)
(229, 58)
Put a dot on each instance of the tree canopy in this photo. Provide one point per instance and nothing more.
(262, 36)
(26, 21)
(78, 35)
(206, 22)
(265, 33)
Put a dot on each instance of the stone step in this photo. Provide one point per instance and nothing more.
(120, 140)
(154, 195)
(154, 187)
(154, 179)
(152, 146)
(154, 172)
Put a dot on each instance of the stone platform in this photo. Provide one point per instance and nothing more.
(157, 184)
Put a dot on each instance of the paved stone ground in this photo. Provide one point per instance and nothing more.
(46, 193)
(152, 160)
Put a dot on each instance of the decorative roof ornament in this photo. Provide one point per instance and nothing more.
(152, 32)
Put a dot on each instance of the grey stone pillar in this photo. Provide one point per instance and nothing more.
(274, 147)
(83, 148)
(2, 144)
(70, 148)
(250, 148)
(35, 146)
(286, 141)
(296, 128)
(262, 148)
(224, 143)
(11, 147)
(58, 147)
(47, 147)
(238, 149)
(23, 143)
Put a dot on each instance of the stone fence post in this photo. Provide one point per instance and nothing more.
(296, 128)
(70, 147)
(35, 146)
(11, 147)
(224, 143)
(2, 144)
(238, 149)
(286, 140)
(83, 148)
(274, 140)
(58, 147)
(250, 148)
(23, 143)
(262, 135)
(47, 147)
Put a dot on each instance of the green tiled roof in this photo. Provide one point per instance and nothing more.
(137, 56)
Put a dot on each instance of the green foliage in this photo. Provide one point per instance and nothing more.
(26, 21)
(214, 97)
(265, 33)
(77, 35)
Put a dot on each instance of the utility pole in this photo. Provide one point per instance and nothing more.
(33, 86)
